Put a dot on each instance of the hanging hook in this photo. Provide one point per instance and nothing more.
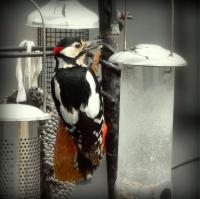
(172, 28)
(125, 26)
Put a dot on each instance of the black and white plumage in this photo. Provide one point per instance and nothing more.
(76, 93)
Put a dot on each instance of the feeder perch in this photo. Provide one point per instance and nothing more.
(20, 151)
(146, 121)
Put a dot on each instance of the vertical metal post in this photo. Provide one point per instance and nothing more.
(44, 53)
(111, 84)
(172, 27)
(125, 25)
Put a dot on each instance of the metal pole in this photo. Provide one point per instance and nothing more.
(48, 53)
(16, 55)
(172, 28)
(125, 26)
(44, 54)
(21, 49)
(111, 85)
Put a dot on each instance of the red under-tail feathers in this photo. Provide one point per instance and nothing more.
(65, 156)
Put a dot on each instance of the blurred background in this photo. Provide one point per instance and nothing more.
(151, 23)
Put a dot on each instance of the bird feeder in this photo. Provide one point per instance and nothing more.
(62, 18)
(146, 121)
(20, 151)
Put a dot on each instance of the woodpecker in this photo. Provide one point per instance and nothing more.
(77, 97)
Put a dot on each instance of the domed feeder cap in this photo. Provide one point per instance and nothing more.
(148, 55)
(68, 14)
(21, 112)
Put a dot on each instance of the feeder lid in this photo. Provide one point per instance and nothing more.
(21, 112)
(148, 55)
(67, 14)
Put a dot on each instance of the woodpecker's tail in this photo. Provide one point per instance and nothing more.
(64, 157)
(69, 164)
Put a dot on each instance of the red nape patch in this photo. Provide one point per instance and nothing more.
(57, 49)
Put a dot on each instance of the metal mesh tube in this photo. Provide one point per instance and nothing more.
(20, 160)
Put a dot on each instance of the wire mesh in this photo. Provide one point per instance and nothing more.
(7, 166)
(20, 160)
(53, 36)
(29, 182)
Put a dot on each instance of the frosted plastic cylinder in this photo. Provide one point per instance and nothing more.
(145, 136)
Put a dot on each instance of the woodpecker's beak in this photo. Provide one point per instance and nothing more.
(89, 45)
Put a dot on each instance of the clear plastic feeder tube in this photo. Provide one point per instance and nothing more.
(146, 122)
(145, 139)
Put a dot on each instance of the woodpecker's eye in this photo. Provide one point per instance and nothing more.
(78, 45)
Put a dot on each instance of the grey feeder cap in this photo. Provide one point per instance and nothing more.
(21, 112)
(148, 55)
(68, 14)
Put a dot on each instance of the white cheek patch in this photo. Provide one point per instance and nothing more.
(71, 52)
(92, 109)
(70, 118)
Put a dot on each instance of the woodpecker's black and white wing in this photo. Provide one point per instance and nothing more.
(77, 97)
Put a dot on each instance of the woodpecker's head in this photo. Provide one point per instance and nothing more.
(73, 50)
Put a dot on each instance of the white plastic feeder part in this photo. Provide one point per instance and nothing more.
(146, 121)
(20, 151)
(21, 112)
(67, 14)
(148, 55)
